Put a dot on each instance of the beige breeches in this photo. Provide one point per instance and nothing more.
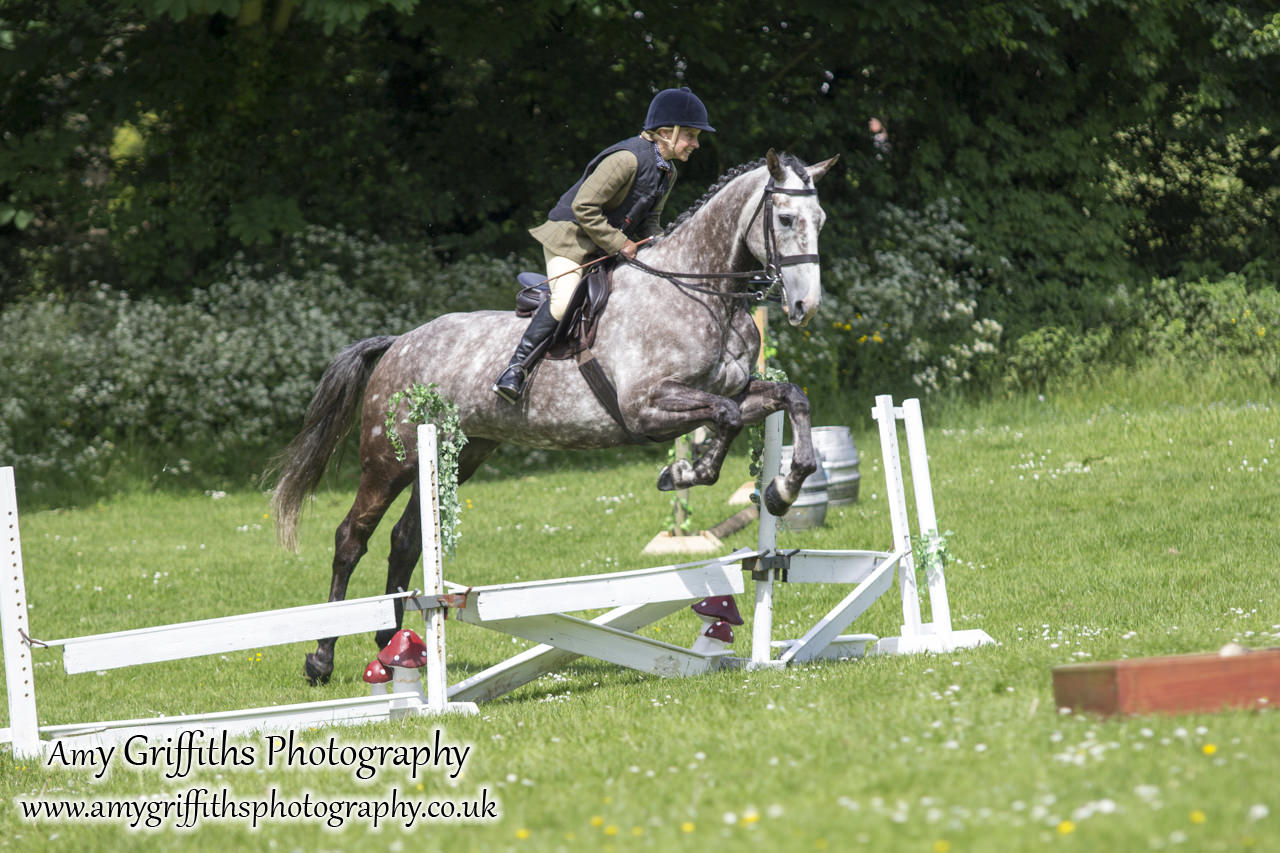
(562, 288)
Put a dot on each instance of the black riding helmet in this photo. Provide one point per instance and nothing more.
(677, 107)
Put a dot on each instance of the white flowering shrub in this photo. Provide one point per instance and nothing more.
(902, 316)
(224, 375)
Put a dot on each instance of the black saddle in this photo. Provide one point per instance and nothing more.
(576, 333)
(577, 329)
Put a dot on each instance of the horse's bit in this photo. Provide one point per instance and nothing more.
(769, 278)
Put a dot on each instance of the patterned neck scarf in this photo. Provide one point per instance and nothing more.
(657, 156)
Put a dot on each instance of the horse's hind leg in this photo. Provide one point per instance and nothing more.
(351, 541)
(406, 547)
(406, 536)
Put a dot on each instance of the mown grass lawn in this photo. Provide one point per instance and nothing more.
(1124, 518)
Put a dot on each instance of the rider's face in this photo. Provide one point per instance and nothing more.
(682, 146)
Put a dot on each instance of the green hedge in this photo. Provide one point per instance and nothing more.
(214, 384)
(105, 378)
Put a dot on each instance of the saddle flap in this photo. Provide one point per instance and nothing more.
(577, 329)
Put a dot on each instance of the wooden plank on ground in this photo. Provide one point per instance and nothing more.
(1172, 684)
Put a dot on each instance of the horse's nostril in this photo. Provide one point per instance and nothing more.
(800, 312)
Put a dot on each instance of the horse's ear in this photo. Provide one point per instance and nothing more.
(775, 166)
(817, 170)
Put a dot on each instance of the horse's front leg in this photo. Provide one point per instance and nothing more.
(678, 408)
(761, 399)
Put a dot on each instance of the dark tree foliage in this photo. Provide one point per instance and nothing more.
(1088, 142)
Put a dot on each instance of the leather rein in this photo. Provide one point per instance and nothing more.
(769, 278)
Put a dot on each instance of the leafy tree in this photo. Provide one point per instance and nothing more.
(1087, 142)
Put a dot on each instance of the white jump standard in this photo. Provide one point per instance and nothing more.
(871, 571)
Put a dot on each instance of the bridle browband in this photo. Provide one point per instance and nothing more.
(769, 278)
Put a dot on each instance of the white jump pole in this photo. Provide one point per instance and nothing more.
(767, 543)
(887, 420)
(24, 727)
(939, 606)
(437, 687)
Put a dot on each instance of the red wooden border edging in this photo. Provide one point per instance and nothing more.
(1173, 684)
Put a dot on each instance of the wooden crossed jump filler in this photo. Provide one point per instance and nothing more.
(538, 611)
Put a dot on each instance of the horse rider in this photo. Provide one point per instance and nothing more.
(616, 203)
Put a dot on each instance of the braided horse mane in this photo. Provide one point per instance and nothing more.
(787, 160)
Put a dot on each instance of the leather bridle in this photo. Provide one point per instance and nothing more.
(768, 279)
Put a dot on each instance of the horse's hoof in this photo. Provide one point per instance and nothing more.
(667, 479)
(774, 502)
(316, 672)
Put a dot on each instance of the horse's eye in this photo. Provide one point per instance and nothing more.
(787, 219)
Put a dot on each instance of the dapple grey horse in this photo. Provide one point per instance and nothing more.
(677, 341)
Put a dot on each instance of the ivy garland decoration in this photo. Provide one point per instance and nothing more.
(932, 553)
(426, 405)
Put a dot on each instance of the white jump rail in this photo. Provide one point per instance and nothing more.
(538, 611)
(98, 652)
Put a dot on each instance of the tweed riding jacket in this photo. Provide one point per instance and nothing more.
(619, 197)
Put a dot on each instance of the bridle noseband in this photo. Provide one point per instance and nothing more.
(769, 279)
(773, 262)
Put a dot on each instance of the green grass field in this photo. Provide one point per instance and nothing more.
(1121, 518)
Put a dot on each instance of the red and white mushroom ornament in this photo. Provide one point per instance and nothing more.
(714, 609)
(377, 677)
(716, 638)
(718, 608)
(405, 656)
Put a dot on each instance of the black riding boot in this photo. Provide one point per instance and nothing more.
(510, 383)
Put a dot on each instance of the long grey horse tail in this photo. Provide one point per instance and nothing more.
(334, 408)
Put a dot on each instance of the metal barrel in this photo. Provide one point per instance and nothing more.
(840, 458)
(810, 508)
